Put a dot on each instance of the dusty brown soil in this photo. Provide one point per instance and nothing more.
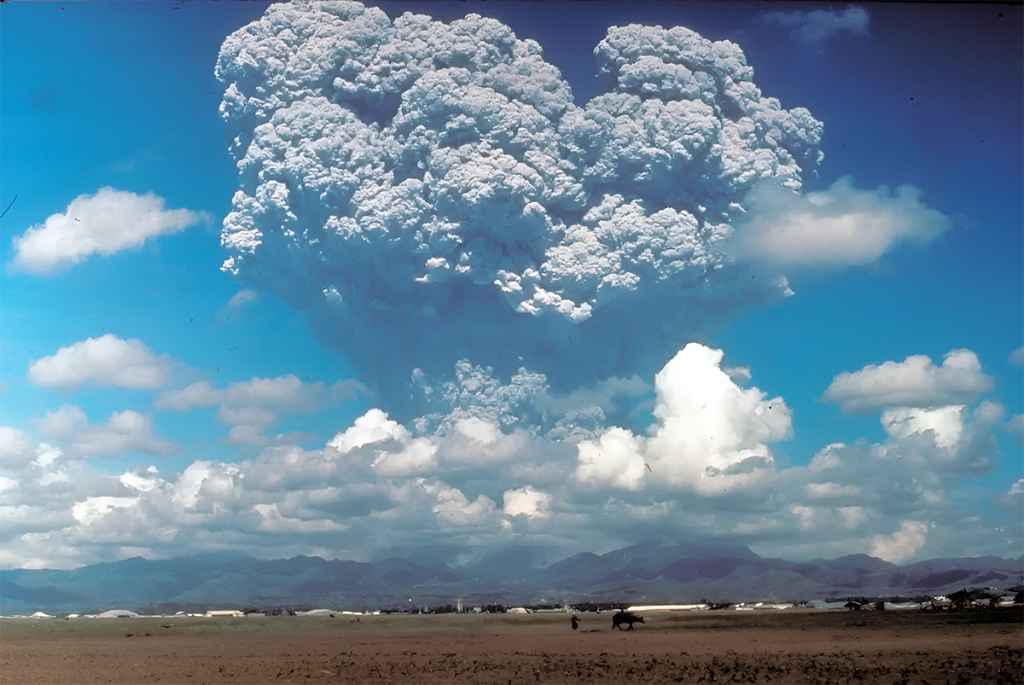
(782, 647)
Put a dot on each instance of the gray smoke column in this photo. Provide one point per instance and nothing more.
(428, 192)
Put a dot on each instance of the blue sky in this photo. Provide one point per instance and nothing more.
(124, 97)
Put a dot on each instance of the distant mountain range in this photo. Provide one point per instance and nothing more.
(648, 572)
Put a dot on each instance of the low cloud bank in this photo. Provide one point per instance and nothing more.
(502, 461)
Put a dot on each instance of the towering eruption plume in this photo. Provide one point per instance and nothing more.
(427, 192)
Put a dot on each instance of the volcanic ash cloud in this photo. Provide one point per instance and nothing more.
(428, 192)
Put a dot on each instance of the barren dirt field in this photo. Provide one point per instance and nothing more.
(782, 647)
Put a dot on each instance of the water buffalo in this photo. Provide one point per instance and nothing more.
(626, 617)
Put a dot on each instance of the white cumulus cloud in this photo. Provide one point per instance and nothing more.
(453, 507)
(272, 521)
(370, 428)
(946, 423)
(251, 406)
(528, 502)
(1016, 358)
(126, 431)
(476, 441)
(902, 544)
(379, 482)
(831, 490)
(710, 434)
(109, 221)
(1013, 499)
(914, 382)
(615, 458)
(838, 227)
(989, 412)
(107, 360)
(1015, 426)
(18, 450)
(92, 509)
(418, 455)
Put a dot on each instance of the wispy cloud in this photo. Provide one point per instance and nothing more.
(815, 26)
(251, 406)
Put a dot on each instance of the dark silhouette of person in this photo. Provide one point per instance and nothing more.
(575, 622)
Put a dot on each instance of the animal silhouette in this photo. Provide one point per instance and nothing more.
(626, 618)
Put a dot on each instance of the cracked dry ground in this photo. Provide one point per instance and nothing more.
(782, 647)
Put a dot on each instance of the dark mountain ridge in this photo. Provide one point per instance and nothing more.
(647, 572)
